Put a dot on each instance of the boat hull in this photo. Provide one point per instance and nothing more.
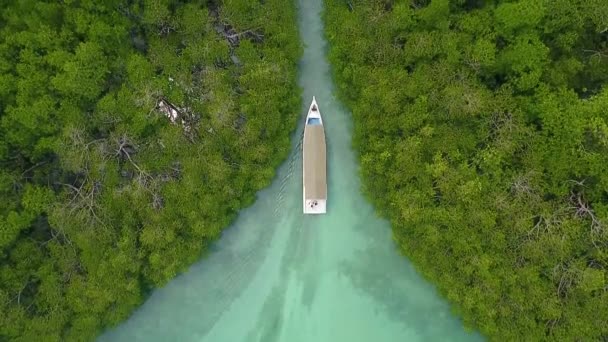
(314, 163)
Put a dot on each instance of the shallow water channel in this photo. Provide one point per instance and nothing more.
(278, 275)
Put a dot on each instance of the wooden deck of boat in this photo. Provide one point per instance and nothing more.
(315, 179)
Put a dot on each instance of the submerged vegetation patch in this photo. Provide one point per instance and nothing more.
(482, 133)
(131, 132)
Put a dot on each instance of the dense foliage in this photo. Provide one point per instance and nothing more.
(482, 130)
(131, 132)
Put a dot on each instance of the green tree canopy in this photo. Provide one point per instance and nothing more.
(481, 132)
(131, 133)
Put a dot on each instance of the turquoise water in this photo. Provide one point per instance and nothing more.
(277, 275)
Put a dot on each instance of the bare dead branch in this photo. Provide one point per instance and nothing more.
(521, 185)
(580, 183)
(545, 224)
(583, 210)
(157, 201)
(34, 167)
(250, 32)
(17, 297)
(550, 325)
(568, 276)
(20, 292)
(597, 53)
(85, 200)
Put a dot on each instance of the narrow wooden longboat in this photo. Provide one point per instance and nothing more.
(314, 162)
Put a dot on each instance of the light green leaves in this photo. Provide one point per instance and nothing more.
(518, 15)
(102, 194)
(489, 157)
(85, 74)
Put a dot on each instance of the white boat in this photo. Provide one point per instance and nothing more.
(314, 162)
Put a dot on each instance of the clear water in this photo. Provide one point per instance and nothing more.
(277, 275)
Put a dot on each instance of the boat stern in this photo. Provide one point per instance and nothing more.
(314, 206)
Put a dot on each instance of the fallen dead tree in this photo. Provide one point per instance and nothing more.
(233, 36)
(182, 116)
